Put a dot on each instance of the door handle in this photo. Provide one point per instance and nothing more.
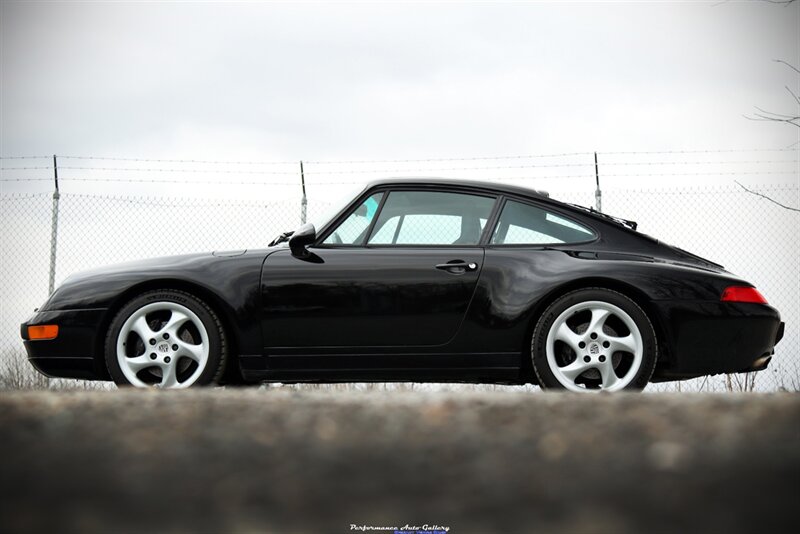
(458, 267)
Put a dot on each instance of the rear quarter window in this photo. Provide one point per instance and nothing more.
(526, 224)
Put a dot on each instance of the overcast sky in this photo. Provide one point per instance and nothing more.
(342, 81)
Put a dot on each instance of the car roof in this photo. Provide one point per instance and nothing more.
(500, 188)
(491, 186)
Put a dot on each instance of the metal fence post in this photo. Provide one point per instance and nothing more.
(304, 200)
(598, 196)
(54, 229)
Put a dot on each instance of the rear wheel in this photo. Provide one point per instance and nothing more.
(594, 340)
(166, 339)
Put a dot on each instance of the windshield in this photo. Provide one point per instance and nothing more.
(332, 210)
(320, 221)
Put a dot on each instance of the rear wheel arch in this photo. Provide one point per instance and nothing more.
(620, 354)
(630, 291)
(214, 301)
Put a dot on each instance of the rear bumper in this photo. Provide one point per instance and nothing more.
(707, 338)
(75, 352)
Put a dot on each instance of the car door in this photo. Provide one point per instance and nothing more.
(399, 270)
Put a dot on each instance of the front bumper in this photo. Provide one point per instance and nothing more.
(77, 350)
(706, 338)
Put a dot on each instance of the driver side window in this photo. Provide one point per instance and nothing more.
(352, 231)
(432, 218)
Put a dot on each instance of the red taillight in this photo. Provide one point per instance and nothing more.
(742, 294)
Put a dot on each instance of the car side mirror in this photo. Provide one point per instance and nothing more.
(301, 238)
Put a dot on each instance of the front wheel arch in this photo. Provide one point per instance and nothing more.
(194, 341)
(232, 374)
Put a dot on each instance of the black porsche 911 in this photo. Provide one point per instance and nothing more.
(415, 280)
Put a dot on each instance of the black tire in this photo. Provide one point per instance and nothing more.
(564, 353)
(217, 357)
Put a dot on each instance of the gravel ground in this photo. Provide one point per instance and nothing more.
(283, 461)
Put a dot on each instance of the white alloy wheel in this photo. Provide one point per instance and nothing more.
(597, 349)
(594, 339)
(166, 338)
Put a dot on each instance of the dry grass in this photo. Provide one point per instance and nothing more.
(16, 374)
(741, 382)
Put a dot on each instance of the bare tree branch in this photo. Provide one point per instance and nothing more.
(793, 95)
(765, 196)
(773, 114)
(783, 2)
(788, 65)
(764, 115)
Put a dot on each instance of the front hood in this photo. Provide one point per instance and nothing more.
(164, 264)
(144, 265)
(96, 287)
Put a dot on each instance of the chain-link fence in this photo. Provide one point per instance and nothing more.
(753, 233)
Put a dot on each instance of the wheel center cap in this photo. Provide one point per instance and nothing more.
(594, 348)
(163, 347)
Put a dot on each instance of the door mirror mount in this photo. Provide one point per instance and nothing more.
(301, 238)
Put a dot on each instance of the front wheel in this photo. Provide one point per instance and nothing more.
(167, 339)
(594, 340)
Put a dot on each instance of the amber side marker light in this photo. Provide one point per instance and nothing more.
(742, 294)
(44, 331)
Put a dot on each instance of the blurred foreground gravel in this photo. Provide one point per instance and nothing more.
(282, 461)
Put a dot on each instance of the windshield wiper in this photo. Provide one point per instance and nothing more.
(281, 238)
(619, 220)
